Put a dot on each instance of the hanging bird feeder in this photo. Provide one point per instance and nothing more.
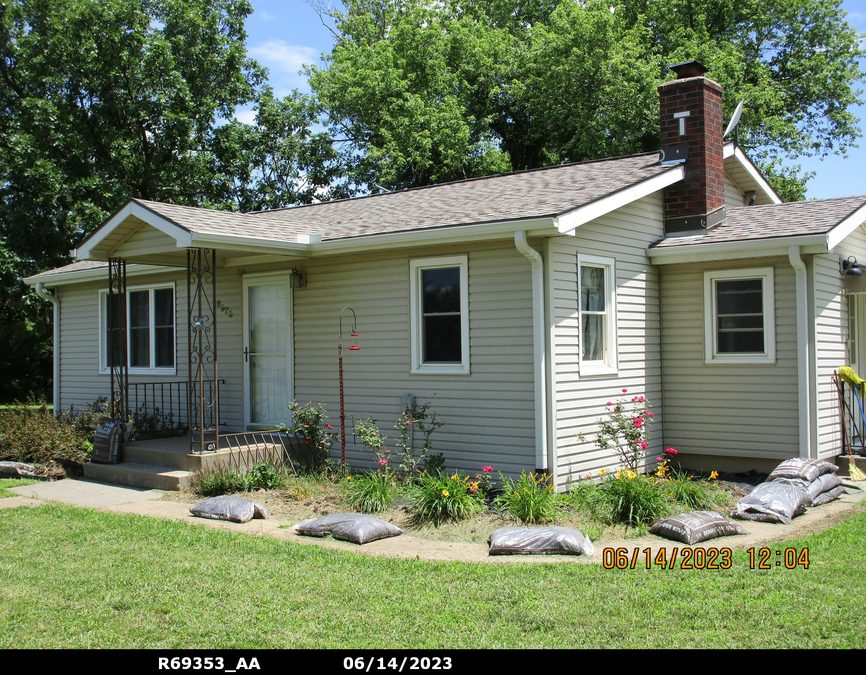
(354, 347)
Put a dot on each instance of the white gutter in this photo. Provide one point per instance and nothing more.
(539, 365)
(804, 397)
(55, 301)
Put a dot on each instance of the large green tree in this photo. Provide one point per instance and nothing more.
(105, 100)
(536, 82)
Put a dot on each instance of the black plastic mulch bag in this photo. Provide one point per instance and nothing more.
(805, 469)
(544, 540)
(815, 488)
(828, 496)
(695, 527)
(357, 528)
(235, 509)
(772, 503)
(17, 469)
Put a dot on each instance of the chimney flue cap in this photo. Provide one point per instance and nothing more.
(689, 69)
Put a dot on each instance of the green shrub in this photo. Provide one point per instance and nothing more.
(531, 499)
(263, 476)
(36, 436)
(439, 498)
(371, 492)
(218, 480)
(157, 424)
(634, 499)
(587, 498)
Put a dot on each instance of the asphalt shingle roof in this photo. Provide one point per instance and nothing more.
(746, 223)
(515, 196)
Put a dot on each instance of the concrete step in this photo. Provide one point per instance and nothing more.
(139, 475)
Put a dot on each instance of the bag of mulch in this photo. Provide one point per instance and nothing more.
(358, 528)
(17, 469)
(235, 509)
(772, 503)
(817, 487)
(828, 496)
(695, 527)
(551, 540)
(805, 469)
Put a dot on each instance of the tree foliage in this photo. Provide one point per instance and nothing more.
(425, 92)
(104, 101)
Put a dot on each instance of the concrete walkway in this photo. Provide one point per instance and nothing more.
(144, 502)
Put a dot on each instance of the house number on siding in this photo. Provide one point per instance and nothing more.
(224, 309)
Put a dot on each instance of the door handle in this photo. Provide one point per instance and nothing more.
(246, 354)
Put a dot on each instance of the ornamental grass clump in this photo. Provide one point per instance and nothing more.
(371, 492)
(531, 499)
(439, 498)
(634, 499)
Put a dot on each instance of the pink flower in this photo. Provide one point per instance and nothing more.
(642, 445)
(671, 451)
(408, 422)
(609, 403)
(383, 461)
(306, 426)
(328, 426)
(625, 391)
(648, 413)
(634, 400)
(659, 459)
(640, 399)
(386, 450)
(487, 469)
(473, 490)
(638, 422)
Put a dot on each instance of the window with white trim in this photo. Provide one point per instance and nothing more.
(739, 316)
(597, 314)
(439, 298)
(150, 330)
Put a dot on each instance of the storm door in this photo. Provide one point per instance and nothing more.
(267, 354)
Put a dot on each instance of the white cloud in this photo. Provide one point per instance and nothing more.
(284, 61)
(245, 115)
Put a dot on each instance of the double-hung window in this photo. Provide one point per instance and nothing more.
(150, 329)
(739, 316)
(597, 314)
(439, 297)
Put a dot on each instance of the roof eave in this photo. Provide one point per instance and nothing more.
(734, 150)
(737, 250)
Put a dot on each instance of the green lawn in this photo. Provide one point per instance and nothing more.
(75, 577)
(6, 483)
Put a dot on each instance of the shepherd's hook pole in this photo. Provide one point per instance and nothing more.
(342, 406)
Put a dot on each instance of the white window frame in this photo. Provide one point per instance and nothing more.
(768, 293)
(103, 329)
(609, 364)
(416, 267)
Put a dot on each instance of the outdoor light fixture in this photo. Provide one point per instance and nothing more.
(849, 267)
(297, 279)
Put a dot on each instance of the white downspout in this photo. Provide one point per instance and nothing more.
(538, 343)
(804, 398)
(53, 299)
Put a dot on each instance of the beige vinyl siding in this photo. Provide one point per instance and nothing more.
(831, 330)
(727, 409)
(145, 240)
(578, 401)
(733, 194)
(487, 414)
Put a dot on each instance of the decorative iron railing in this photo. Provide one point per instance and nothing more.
(251, 447)
(167, 403)
(855, 420)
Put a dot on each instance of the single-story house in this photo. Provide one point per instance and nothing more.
(519, 304)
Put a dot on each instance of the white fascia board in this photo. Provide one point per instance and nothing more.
(245, 243)
(176, 232)
(734, 151)
(98, 274)
(567, 223)
(737, 250)
(846, 227)
(444, 235)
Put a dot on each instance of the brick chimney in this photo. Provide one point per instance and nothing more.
(691, 132)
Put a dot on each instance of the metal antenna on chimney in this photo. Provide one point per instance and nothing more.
(735, 120)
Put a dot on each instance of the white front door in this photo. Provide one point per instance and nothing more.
(268, 373)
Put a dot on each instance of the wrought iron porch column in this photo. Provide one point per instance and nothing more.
(203, 397)
(118, 362)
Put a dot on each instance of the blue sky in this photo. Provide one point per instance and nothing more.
(286, 34)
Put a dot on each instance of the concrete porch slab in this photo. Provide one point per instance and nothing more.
(86, 493)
